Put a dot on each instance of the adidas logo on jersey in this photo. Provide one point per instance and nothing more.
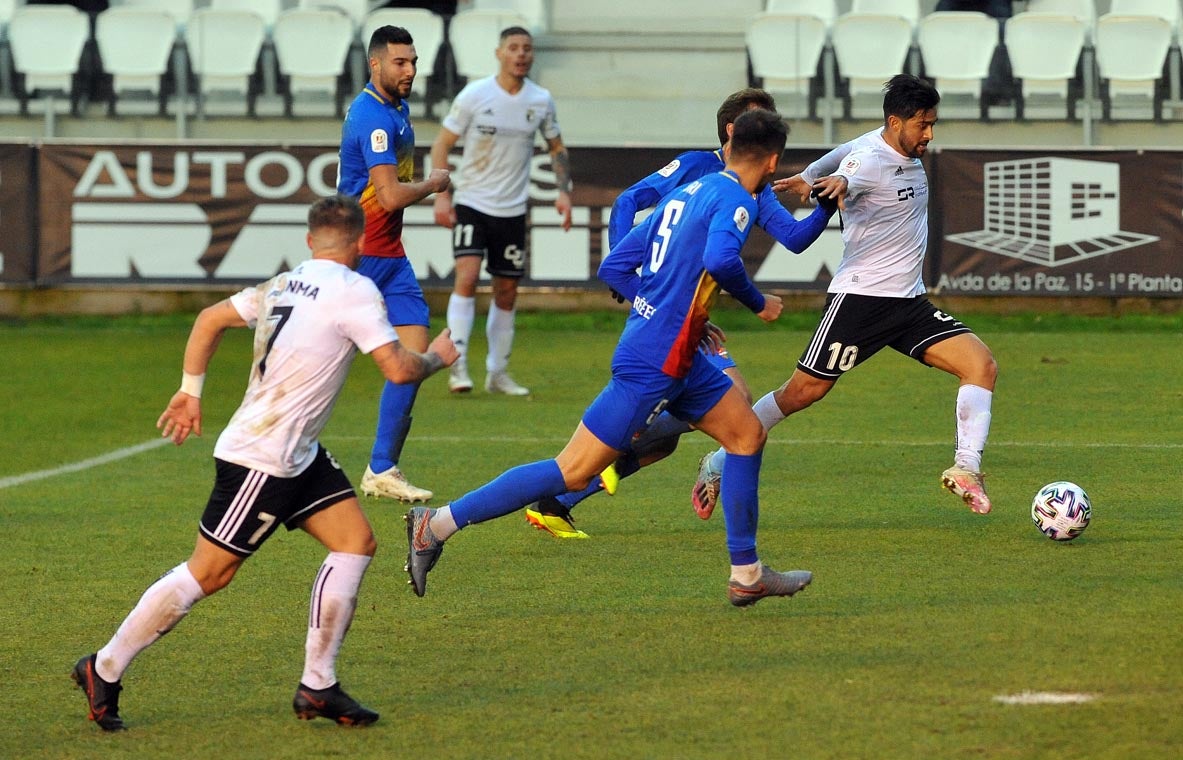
(899, 170)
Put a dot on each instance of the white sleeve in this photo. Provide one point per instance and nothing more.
(550, 122)
(246, 303)
(827, 164)
(861, 168)
(460, 114)
(363, 319)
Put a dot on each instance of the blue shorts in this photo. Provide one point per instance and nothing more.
(722, 360)
(405, 304)
(638, 392)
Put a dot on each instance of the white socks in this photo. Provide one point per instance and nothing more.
(461, 315)
(973, 425)
(499, 330)
(161, 607)
(747, 574)
(442, 524)
(334, 598)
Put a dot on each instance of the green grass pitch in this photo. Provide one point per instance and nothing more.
(623, 646)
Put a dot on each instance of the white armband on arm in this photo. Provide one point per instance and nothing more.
(192, 384)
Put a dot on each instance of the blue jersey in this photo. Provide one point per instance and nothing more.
(794, 234)
(376, 131)
(686, 250)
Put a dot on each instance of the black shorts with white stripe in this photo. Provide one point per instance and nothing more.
(246, 506)
(501, 238)
(855, 327)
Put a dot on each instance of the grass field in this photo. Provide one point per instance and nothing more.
(623, 646)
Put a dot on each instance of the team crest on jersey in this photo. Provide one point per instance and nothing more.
(850, 167)
(741, 218)
(379, 142)
(669, 168)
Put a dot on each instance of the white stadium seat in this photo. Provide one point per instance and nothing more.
(356, 10)
(47, 43)
(871, 48)
(312, 47)
(534, 11)
(785, 50)
(180, 10)
(823, 9)
(268, 9)
(1044, 49)
(1131, 52)
(426, 28)
(474, 36)
(224, 49)
(909, 9)
(956, 47)
(135, 45)
(1086, 10)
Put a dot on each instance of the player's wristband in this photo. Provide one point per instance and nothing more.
(192, 384)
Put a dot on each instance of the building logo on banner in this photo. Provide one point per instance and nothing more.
(1051, 211)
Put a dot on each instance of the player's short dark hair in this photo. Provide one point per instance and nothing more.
(337, 212)
(758, 133)
(513, 31)
(388, 35)
(738, 102)
(905, 95)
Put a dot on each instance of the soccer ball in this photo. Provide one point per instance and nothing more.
(1061, 510)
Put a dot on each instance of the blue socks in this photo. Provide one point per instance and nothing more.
(394, 422)
(739, 494)
(509, 492)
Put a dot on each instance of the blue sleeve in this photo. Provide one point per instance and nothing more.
(649, 191)
(619, 268)
(794, 234)
(723, 261)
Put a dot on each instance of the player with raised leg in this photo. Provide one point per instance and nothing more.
(271, 471)
(876, 298)
(660, 439)
(686, 251)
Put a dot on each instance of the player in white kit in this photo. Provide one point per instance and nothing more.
(309, 324)
(876, 298)
(497, 118)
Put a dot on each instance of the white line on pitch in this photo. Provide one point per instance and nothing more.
(85, 464)
(1044, 698)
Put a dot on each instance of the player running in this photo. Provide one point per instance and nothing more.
(687, 251)
(660, 439)
(876, 298)
(309, 324)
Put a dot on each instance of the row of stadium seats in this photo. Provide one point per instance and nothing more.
(234, 50)
(1055, 50)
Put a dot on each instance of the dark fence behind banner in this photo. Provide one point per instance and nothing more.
(1003, 223)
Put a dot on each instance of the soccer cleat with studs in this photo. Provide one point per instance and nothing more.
(458, 379)
(332, 703)
(554, 518)
(770, 583)
(705, 494)
(969, 487)
(423, 548)
(394, 485)
(102, 697)
(501, 382)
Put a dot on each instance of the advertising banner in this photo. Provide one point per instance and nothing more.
(212, 214)
(1002, 223)
(18, 209)
(1053, 223)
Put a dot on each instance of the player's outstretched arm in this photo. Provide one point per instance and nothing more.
(401, 365)
(393, 195)
(182, 416)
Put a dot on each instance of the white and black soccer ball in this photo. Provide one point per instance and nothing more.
(1061, 510)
